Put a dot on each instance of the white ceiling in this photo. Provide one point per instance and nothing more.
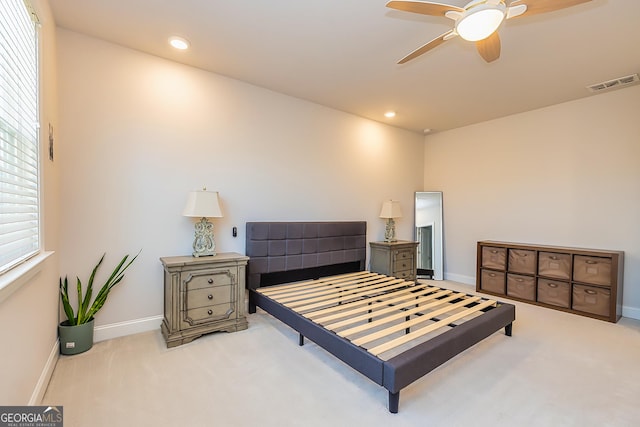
(343, 53)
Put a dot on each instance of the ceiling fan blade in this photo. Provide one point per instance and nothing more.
(543, 6)
(424, 8)
(426, 48)
(489, 48)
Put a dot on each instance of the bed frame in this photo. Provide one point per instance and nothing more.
(327, 310)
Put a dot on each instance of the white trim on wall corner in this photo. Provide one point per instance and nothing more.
(631, 312)
(130, 327)
(45, 376)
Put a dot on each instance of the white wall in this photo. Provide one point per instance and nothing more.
(140, 132)
(29, 316)
(563, 175)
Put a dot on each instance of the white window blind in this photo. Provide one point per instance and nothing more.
(19, 204)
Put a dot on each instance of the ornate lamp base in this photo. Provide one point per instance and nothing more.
(203, 244)
(390, 231)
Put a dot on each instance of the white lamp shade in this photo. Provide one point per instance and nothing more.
(480, 22)
(391, 209)
(203, 204)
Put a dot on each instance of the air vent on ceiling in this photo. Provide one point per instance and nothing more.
(615, 83)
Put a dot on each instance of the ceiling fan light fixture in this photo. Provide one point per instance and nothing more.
(480, 22)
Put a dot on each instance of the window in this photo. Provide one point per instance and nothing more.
(19, 203)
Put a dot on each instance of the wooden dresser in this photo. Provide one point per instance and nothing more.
(396, 259)
(581, 281)
(203, 295)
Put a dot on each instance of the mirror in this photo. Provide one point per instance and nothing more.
(428, 234)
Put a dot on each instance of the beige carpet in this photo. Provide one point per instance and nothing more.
(558, 369)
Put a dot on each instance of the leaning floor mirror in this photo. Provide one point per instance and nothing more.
(428, 234)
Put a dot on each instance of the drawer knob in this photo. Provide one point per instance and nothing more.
(552, 285)
(590, 261)
(590, 292)
(210, 281)
(210, 296)
(210, 312)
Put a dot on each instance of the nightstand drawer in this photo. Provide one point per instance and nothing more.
(405, 254)
(403, 261)
(208, 296)
(205, 315)
(404, 274)
(207, 279)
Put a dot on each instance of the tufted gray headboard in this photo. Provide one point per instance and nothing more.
(281, 252)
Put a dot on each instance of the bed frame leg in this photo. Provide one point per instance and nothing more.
(394, 401)
(301, 340)
(252, 304)
(508, 329)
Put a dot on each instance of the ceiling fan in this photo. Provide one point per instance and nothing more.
(478, 21)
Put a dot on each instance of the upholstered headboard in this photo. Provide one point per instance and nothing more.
(285, 251)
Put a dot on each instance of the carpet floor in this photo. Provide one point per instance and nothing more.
(557, 369)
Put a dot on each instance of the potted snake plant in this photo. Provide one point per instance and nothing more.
(76, 333)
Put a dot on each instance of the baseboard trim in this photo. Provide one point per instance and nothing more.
(467, 280)
(631, 312)
(129, 327)
(45, 376)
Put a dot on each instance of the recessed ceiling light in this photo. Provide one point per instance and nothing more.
(390, 114)
(179, 42)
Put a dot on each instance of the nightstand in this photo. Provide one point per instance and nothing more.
(203, 295)
(396, 259)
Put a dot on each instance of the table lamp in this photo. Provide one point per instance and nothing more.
(203, 204)
(390, 210)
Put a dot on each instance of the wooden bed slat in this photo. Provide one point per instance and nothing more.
(393, 309)
(360, 308)
(325, 311)
(426, 316)
(430, 328)
(342, 295)
(409, 323)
